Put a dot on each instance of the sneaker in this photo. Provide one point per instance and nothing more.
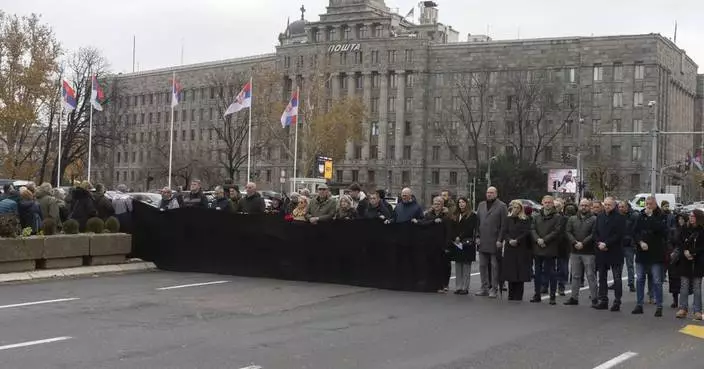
(601, 306)
(536, 298)
(637, 310)
(615, 307)
(697, 316)
(572, 302)
(658, 312)
(482, 294)
(681, 314)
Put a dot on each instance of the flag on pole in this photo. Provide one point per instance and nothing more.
(175, 92)
(290, 115)
(410, 13)
(242, 100)
(68, 96)
(96, 94)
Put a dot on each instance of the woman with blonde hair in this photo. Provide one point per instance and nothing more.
(516, 262)
(345, 210)
(298, 214)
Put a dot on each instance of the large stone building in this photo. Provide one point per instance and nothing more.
(406, 73)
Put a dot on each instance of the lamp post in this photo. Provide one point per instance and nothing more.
(488, 172)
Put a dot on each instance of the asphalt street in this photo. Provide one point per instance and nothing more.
(165, 320)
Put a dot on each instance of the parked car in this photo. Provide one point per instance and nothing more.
(151, 199)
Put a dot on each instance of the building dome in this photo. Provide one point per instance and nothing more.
(297, 28)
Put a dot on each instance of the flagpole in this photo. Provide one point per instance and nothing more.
(171, 130)
(58, 159)
(249, 134)
(90, 125)
(295, 139)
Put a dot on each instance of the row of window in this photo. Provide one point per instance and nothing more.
(194, 94)
(156, 117)
(358, 31)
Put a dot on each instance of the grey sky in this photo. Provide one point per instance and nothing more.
(219, 29)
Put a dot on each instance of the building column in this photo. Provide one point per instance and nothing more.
(400, 112)
(349, 146)
(367, 101)
(383, 115)
(335, 82)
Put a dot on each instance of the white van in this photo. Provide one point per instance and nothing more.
(638, 202)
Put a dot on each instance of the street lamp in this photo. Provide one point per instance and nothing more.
(488, 172)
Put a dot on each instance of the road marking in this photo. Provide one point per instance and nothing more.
(694, 331)
(473, 275)
(617, 360)
(252, 367)
(190, 285)
(34, 343)
(584, 288)
(37, 303)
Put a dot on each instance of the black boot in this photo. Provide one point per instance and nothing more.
(602, 305)
(572, 301)
(536, 298)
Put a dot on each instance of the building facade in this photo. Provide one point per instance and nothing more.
(405, 74)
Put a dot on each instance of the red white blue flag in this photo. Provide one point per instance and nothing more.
(96, 94)
(290, 115)
(242, 100)
(68, 96)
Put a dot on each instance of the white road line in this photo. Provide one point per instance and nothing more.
(617, 360)
(34, 343)
(37, 303)
(252, 367)
(191, 285)
(473, 274)
(584, 288)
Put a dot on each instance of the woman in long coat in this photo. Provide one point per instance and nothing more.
(516, 264)
(691, 258)
(463, 249)
(674, 269)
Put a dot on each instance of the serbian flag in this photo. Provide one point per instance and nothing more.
(290, 115)
(96, 94)
(242, 100)
(68, 96)
(175, 92)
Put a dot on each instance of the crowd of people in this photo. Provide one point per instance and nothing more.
(29, 207)
(560, 244)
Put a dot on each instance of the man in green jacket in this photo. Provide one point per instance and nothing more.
(322, 207)
(48, 204)
(547, 235)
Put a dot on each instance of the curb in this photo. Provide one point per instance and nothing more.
(75, 272)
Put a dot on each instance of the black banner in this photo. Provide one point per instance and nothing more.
(358, 252)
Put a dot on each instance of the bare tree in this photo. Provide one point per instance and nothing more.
(79, 69)
(464, 125)
(538, 111)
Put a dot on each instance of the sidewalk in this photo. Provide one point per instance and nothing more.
(133, 266)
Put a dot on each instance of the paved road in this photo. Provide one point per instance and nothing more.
(141, 321)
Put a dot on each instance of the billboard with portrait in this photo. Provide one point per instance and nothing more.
(562, 180)
(324, 165)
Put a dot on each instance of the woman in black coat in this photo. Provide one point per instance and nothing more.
(674, 240)
(82, 206)
(691, 260)
(463, 249)
(516, 260)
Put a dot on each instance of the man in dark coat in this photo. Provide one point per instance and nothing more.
(580, 233)
(196, 198)
(650, 237)
(408, 209)
(82, 205)
(608, 236)
(375, 209)
(103, 205)
(252, 202)
(547, 234)
(492, 215)
(359, 199)
(628, 245)
(222, 203)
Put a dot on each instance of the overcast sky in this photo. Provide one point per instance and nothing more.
(221, 29)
